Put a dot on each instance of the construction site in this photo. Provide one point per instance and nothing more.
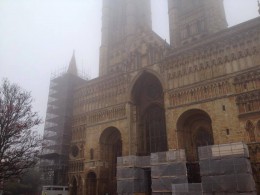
(57, 130)
(224, 169)
(177, 118)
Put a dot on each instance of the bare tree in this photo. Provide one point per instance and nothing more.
(19, 143)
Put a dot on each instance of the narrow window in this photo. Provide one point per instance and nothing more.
(91, 154)
(227, 131)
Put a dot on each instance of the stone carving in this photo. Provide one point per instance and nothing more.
(98, 116)
(215, 60)
(248, 102)
(199, 93)
(76, 166)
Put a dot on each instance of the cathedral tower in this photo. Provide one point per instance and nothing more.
(122, 20)
(193, 19)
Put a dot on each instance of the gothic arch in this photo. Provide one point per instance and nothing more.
(258, 128)
(194, 129)
(91, 183)
(140, 75)
(250, 128)
(110, 148)
(148, 102)
(74, 185)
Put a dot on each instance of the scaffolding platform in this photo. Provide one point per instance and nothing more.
(237, 183)
(130, 173)
(164, 184)
(231, 150)
(57, 130)
(133, 161)
(131, 186)
(171, 169)
(168, 156)
(225, 166)
(226, 169)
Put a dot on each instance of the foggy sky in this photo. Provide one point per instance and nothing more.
(37, 37)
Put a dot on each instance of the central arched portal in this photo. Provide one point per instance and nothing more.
(111, 148)
(194, 130)
(148, 99)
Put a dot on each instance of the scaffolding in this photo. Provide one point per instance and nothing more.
(57, 130)
(168, 168)
(187, 189)
(231, 150)
(151, 174)
(226, 169)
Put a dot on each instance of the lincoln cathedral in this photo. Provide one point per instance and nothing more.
(162, 118)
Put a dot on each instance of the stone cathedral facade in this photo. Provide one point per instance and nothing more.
(201, 89)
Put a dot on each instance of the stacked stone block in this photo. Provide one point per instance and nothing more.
(167, 168)
(226, 169)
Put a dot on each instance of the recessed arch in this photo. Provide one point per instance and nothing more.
(110, 148)
(91, 183)
(250, 128)
(147, 96)
(258, 128)
(142, 74)
(74, 185)
(194, 129)
(91, 152)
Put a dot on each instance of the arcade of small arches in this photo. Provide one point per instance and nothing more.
(253, 130)
(194, 129)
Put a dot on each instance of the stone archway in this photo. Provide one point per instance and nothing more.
(194, 130)
(91, 184)
(148, 101)
(111, 148)
(74, 187)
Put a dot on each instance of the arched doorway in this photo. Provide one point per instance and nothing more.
(194, 130)
(91, 184)
(148, 100)
(74, 189)
(111, 148)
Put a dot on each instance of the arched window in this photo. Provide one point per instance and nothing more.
(188, 28)
(111, 148)
(250, 129)
(258, 128)
(199, 27)
(91, 154)
(148, 99)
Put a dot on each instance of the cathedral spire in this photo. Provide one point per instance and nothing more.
(73, 66)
